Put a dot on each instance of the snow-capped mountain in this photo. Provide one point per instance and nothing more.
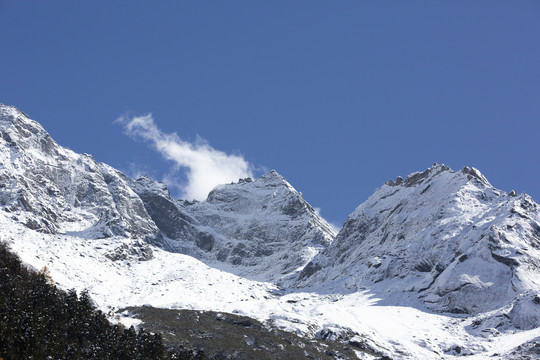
(447, 238)
(52, 189)
(263, 227)
(263, 224)
(437, 265)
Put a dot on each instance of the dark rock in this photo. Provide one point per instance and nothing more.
(294, 207)
(205, 241)
(505, 260)
(458, 311)
(138, 251)
(310, 269)
(417, 178)
(222, 255)
(424, 266)
(239, 249)
(163, 211)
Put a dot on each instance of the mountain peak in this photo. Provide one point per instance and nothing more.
(52, 189)
(10, 114)
(475, 173)
(273, 177)
(274, 173)
(11, 108)
(451, 238)
(267, 181)
(422, 177)
(21, 132)
(418, 177)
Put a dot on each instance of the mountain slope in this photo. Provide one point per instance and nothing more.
(54, 190)
(447, 238)
(39, 321)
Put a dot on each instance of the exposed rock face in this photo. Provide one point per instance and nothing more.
(448, 237)
(168, 216)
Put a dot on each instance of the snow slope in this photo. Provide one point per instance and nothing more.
(435, 266)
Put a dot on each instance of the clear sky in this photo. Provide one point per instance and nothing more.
(337, 96)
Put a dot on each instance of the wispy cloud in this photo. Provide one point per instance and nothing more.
(333, 225)
(205, 166)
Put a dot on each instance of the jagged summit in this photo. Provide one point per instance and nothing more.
(432, 187)
(20, 132)
(475, 173)
(270, 190)
(417, 178)
(273, 177)
(6, 110)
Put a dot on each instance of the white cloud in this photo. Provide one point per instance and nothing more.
(334, 226)
(205, 166)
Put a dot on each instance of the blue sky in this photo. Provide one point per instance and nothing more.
(337, 96)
